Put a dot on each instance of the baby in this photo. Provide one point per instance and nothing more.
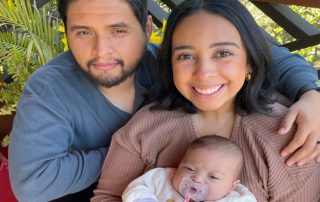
(209, 171)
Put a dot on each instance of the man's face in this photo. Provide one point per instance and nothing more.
(106, 39)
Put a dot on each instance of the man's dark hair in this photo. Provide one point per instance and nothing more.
(139, 8)
(255, 95)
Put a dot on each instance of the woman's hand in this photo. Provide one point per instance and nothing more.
(306, 113)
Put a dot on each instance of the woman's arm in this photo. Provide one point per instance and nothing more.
(265, 173)
(121, 166)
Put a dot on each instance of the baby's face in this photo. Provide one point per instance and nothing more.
(209, 167)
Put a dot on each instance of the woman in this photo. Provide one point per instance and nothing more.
(217, 79)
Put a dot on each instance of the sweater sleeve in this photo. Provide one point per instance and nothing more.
(295, 72)
(42, 165)
(265, 172)
(122, 165)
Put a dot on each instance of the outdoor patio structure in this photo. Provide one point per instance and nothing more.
(305, 34)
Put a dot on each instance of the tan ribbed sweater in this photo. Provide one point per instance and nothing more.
(159, 139)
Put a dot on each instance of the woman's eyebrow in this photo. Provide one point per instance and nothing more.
(224, 43)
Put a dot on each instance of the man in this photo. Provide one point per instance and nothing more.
(71, 107)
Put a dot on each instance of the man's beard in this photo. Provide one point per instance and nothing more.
(109, 81)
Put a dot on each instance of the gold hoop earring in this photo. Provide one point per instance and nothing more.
(248, 77)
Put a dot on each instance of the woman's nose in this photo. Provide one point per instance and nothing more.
(205, 68)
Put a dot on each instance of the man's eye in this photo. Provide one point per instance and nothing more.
(83, 33)
(185, 57)
(223, 53)
(120, 31)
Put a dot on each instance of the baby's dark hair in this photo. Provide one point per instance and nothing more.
(215, 142)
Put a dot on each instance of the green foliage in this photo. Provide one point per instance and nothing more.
(312, 15)
(30, 39)
(5, 141)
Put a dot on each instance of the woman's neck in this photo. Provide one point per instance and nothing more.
(219, 122)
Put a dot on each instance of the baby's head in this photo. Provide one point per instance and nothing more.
(209, 169)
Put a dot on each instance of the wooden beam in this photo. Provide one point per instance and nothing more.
(293, 23)
(303, 43)
(172, 3)
(306, 3)
(157, 13)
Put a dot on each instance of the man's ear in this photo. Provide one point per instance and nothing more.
(149, 26)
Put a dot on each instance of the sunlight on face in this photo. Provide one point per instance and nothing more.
(209, 61)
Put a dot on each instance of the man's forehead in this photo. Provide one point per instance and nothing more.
(98, 7)
(102, 11)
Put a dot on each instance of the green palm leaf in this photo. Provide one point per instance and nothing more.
(38, 27)
(30, 39)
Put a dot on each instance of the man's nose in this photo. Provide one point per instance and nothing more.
(103, 46)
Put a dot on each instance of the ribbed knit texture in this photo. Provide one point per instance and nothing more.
(159, 139)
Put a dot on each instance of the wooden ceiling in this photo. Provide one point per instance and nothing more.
(307, 3)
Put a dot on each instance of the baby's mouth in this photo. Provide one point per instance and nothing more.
(195, 191)
(192, 190)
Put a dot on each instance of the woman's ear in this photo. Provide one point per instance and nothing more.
(249, 69)
(149, 26)
(248, 75)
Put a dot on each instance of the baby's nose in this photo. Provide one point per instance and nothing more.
(198, 179)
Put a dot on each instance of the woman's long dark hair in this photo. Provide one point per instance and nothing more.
(255, 95)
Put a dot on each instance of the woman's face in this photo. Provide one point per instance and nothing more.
(209, 61)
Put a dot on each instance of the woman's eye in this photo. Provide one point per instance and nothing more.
(223, 53)
(185, 57)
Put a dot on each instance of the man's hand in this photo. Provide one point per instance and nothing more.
(306, 113)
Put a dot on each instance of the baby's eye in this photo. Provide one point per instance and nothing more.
(185, 57)
(223, 53)
(189, 169)
(214, 177)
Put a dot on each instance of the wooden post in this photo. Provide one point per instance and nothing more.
(5, 125)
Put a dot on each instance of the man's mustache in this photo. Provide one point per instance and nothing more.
(114, 60)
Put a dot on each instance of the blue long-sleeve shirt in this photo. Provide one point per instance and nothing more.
(62, 129)
(64, 124)
(295, 72)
